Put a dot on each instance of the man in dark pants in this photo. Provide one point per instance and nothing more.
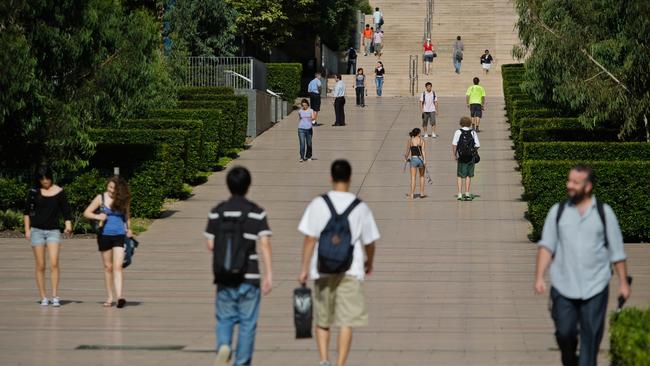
(339, 101)
(352, 61)
(313, 89)
(581, 240)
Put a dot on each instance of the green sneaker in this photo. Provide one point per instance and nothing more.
(459, 197)
(469, 197)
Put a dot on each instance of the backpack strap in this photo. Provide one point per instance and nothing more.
(560, 209)
(352, 206)
(347, 211)
(601, 212)
(328, 201)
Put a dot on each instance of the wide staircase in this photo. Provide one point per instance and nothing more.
(482, 24)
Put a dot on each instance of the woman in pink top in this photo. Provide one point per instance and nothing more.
(428, 56)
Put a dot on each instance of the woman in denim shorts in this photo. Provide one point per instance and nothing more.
(415, 147)
(112, 209)
(45, 205)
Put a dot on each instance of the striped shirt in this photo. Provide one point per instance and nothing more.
(255, 227)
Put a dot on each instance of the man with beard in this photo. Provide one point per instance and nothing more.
(581, 240)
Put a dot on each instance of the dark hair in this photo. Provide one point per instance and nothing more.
(338, 76)
(376, 8)
(414, 132)
(43, 172)
(487, 51)
(427, 84)
(476, 81)
(458, 38)
(121, 195)
(367, 25)
(583, 168)
(341, 171)
(238, 180)
(304, 101)
(360, 69)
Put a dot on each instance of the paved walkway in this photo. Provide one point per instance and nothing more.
(452, 284)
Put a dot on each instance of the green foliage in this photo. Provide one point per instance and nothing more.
(629, 334)
(206, 27)
(285, 78)
(624, 185)
(364, 7)
(586, 150)
(12, 220)
(234, 108)
(13, 193)
(80, 192)
(148, 190)
(549, 134)
(203, 92)
(615, 34)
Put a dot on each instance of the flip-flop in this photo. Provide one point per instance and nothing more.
(422, 196)
(107, 304)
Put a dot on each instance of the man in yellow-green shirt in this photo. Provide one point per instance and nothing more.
(475, 97)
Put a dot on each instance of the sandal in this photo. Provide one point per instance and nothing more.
(121, 303)
(107, 304)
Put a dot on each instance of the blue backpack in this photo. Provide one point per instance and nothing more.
(335, 245)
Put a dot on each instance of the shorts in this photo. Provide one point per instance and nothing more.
(108, 242)
(428, 117)
(338, 299)
(428, 58)
(416, 162)
(465, 170)
(378, 47)
(314, 101)
(487, 66)
(476, 110)
(41, 237)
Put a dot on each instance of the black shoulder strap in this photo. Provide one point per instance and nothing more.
(560, 209)
(103, 204)
(348, 210)
(601, 212)
(330, 205)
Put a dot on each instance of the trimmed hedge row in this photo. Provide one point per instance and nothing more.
(202, 92)
(621, 184)
(550, 134)
(629, 335)
(234, 107)
(13, 193)
(285, 78)
(628, 151)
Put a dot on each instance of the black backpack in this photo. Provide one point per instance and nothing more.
(352, 54)
(335, 245)
(466, 147)
(459, 55)
(231, 249)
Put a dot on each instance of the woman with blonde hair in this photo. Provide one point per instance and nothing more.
(112, 211)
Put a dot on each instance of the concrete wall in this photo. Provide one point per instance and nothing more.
(259, 111)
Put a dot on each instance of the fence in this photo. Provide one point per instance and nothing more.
(235, 72)
(330, 60)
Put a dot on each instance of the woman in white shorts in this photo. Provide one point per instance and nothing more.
(486, 61)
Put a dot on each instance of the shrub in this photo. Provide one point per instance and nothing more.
(234, 107)
(624, 185)
(147, 189)
(546, 134)
(13, 193)
(194, 147)
(285, 78)
(12, 220)
(202, 92)
(629, 335)
(586, 150)
(216, 128)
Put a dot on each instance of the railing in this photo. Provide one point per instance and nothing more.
(330, 61)
(428, 21)
(236, 72)
(413, 73)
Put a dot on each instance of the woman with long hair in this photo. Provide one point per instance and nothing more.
(112, 210)
(415, 155)
(360, 87)
(46, 203)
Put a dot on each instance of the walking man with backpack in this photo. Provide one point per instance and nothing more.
(458, 53)
(464, 147)
(233, 228)
(352, 61)
(475, 98)
(581, 241)
(338, 252)
(429, 109)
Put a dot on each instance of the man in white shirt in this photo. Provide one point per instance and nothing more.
(377, 15)
(338, 297)
(465, 147)
(339, 102)
(378, 41)
(429, 109)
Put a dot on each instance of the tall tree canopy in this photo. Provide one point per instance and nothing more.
(68, 65)
(592, 56)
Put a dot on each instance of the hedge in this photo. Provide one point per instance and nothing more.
(549, 134)
(627, 151)
(216, 129)
(234, 107)
(629, 335)
(194, 128)
(202, 92)
(13, 193)
(285, 78)
(624, 185)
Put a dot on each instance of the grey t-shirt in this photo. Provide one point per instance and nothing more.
(458, 46)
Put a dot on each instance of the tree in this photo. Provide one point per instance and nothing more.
(68, 65)
(590, 56)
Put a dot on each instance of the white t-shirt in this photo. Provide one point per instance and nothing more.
(377, 15)
(457, 137)
(362, 227)
(429, 99)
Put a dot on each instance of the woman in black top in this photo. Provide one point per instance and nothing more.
(45, 205)
(415, 147)
(379, 77)
(486, 61)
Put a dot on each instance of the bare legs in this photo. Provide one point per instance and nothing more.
(421, 182)
(427, 67)
(459, 184)
(414, 173)
(344, 343)
(113, 274)
(39, 259)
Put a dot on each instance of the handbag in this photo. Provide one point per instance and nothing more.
(302, 312)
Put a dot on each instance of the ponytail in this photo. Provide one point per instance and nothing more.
(414, 132)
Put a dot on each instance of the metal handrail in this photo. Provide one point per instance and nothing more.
(231, 73)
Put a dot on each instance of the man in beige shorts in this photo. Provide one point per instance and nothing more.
(338, 297)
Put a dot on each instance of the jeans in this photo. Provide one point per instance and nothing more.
(457, 66)
(587, 316)
(304, 137)
(238, 305)
(380, 83)
(360, 91)
(352, 66)
(339, 111)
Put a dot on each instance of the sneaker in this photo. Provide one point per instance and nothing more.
(469, 196)
(301, 160)
(425, 135)
(310, 159)
(223, 356)
(460, 197)
(56, 302)
(434, 136)
(325, 363)
(45, 302)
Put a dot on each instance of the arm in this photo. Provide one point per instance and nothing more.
(483, 102)
(454, 155)
(307, 252)
(265, 249)
(424, 152)
(544, 257)
(129, 233)
(67, 213)
(621, 271)
(436, 104)
(28, 234)
(90, 214)
(467, 100)
(407, 154)
(370, 257)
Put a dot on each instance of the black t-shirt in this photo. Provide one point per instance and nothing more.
(486, 59)
(48, 210)
(380, 72)
(255, 226)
